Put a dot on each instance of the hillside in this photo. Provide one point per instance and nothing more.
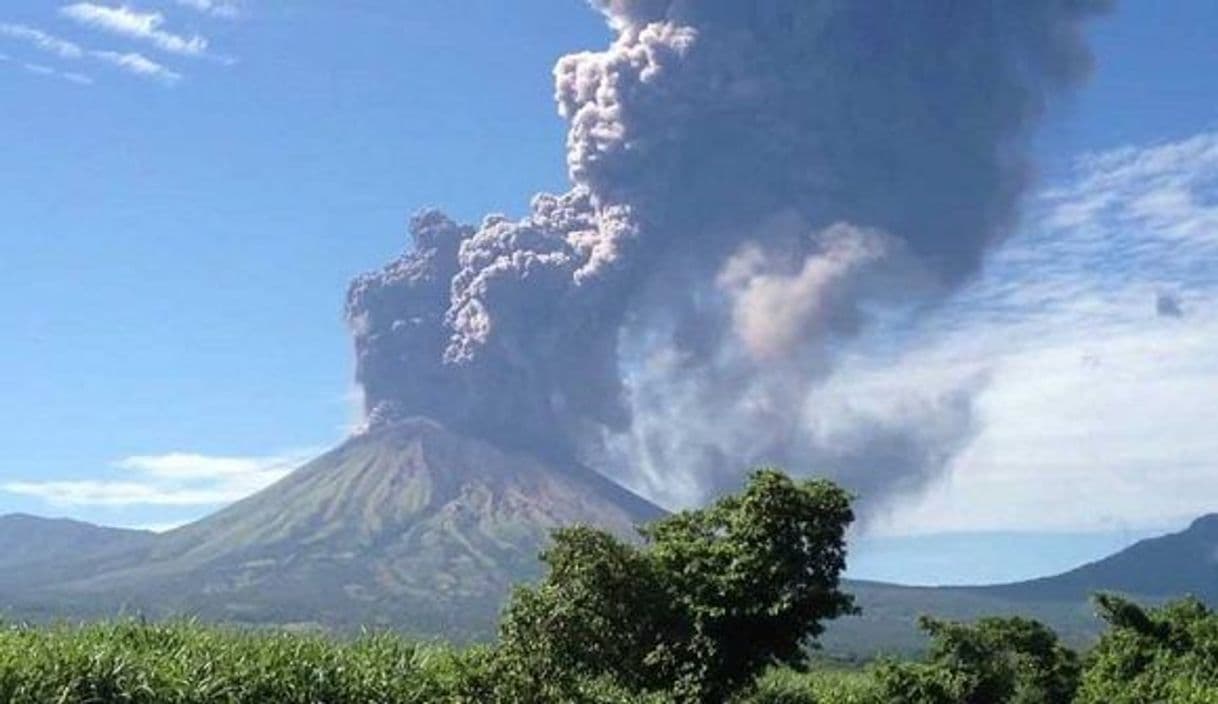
(889, 619)
(1170, 565)
(29, 540)
(412, 526)
(1152, 570)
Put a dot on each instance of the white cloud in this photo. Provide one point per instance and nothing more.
(39, 69)
(187, 466)
(146, 26)
(130, 62)
(173, 479)
(47, 71)
(139, 65)
(158, 527)
(78, 78)
(1099, 411)
(42, 40)
(109, 493)
(215, 8)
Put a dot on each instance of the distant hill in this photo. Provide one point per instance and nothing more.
(29, 541)
(1170, 565)
(412, 526)
(1153, 570)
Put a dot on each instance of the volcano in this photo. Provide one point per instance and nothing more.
(412, 526)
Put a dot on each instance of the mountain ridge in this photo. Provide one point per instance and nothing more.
(1174, 564)
(30, 540)
(418, 528)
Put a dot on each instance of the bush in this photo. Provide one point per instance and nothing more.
(820, 686)
(996, 660)
(1168, 654)
(921, 683)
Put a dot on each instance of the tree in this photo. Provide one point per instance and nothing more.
(996, 660)
(1168, 654)
(709, 600)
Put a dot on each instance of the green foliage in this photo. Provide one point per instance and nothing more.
(714, 598)
(823, 686)
(183, 663)
(188, 664)
(1009, 660)
(921, 683)
(1169, 654)
(717, 605)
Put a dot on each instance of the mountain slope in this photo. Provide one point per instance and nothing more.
(29, 540)
(1168, 566)
(1152, 570)
(412, 526)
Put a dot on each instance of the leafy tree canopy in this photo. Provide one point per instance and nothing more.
(710, 599)
(996, 660)
(1167, 654)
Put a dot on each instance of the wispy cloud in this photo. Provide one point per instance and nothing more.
(146, 26)
(39, 69)
(173, 479)
(161, 527)
(123, 20)
(130, 62)
(215, 8)
(42, 70)
(77, 78)
(49, 72)
(139, 65)
(42, 40)
(1098, 413)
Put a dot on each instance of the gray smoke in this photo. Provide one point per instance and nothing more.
(750, 181)
(1167, 305)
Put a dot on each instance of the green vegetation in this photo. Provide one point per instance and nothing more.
(1162, 655)
(187, 663)
(711, 600)
(716, 605)
(1166, 655)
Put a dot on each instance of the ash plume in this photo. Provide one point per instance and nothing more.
(749, 181)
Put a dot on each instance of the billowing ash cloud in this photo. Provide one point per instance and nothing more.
(750, 181)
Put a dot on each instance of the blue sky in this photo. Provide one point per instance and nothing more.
(185, 192)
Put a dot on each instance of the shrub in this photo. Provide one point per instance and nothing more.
(819, 686)
(1168, 654)
(996, 660)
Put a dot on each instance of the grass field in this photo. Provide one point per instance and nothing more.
(188, 663)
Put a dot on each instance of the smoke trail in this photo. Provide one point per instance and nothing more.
(749, 180)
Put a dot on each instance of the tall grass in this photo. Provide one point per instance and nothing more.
(185, 663)
(189, 663)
